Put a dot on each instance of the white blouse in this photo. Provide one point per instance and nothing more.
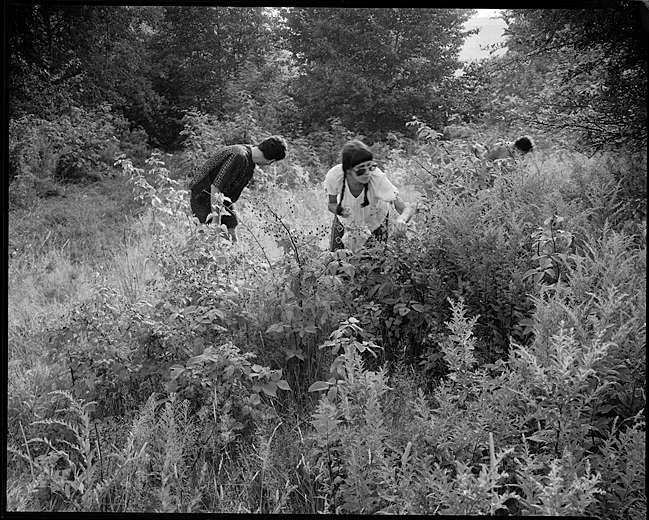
(380, 193)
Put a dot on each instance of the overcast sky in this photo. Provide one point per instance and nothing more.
(482, 13)
(491, 31)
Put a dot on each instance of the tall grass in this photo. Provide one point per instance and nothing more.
(396, 448)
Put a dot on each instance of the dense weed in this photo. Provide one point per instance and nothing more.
(491, 361)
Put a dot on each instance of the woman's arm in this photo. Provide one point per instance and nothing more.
(332, 204)
(406, 211)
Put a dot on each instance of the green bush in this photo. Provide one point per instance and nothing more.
(89, 140)
(535, 409)
(170, 459)
(604, 296)
(488, 362)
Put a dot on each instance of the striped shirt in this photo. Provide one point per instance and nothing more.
(230, 170)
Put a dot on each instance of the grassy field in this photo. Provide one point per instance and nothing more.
(122, 302)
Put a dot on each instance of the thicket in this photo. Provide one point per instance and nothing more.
(578, 74)
(442, 386)
(490, 361)
(77, 146)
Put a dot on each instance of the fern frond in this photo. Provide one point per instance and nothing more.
(74, 447)
(56, 422)
(63, 393)
(44, 440)
(19, 454)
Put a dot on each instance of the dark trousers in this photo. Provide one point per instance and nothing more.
(201, 204)
(338, 230)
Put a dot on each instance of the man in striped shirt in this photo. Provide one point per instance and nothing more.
(228, 172)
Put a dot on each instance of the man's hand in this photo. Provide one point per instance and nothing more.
(214, 216)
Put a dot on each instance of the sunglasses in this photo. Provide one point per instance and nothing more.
(361, 169)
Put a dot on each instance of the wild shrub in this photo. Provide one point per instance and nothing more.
(605, 297)
(117, 346)
(225, 379)
(298, 310)
(553, 247)
(213, 420)
(610, 188)
(90, 135)
(568, 488)
(492, 235)
(154, 188)
(79, 145)
(211, 291)
(396, 295)
(62, 459)
(511, 436)
(621, 462)
(550, 392)
(358, 468)
(109, 355)
(469, 244)
(481, 249)
(280, 302)
(349, 431)
(560, 380)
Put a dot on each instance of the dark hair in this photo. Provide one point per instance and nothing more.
(354, 152)
(524, 144)
(273, 148)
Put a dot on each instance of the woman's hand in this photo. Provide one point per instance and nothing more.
(345, 212)
(400, 226)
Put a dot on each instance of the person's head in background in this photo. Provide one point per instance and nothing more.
(521, 146)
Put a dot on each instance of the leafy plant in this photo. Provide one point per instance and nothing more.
(553, 251)
(64, 463)
(224, 369)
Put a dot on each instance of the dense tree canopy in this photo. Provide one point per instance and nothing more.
(198, 49)
(374, 68)
(581, 73)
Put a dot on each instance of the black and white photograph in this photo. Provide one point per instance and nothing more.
(330, 259)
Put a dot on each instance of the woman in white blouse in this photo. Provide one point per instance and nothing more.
(360, 196)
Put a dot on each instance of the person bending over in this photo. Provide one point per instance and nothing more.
(511, 149)
(228, 172)
(360, 196)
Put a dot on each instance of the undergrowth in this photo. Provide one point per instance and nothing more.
(491, 361)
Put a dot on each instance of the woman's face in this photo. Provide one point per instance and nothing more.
(361, 172)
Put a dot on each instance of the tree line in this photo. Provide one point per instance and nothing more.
(572, 70)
